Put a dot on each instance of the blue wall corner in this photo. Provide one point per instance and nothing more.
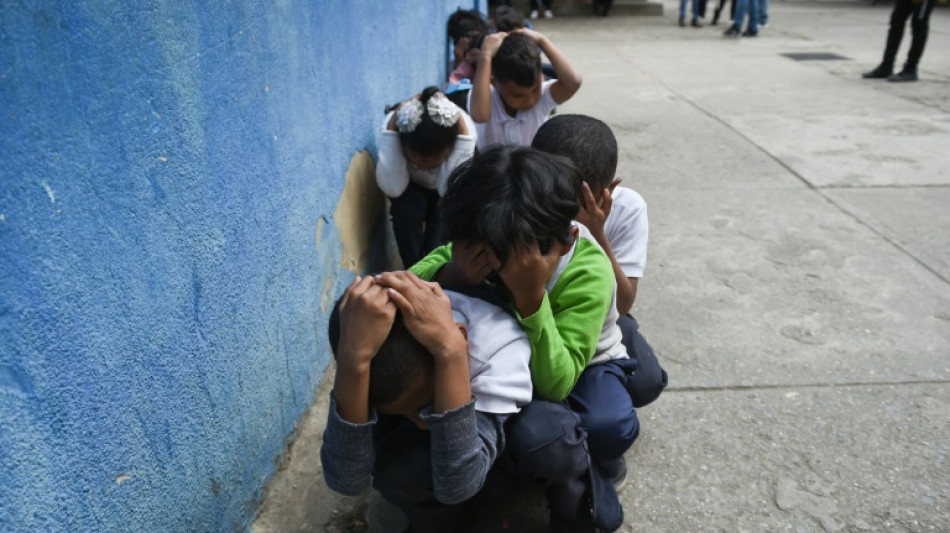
(165, 170)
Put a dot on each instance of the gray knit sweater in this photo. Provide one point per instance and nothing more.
(465, 443)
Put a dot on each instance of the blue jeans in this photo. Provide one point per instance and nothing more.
(695, 8)
(764, 12)
(752, 8)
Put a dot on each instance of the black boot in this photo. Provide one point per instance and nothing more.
(880, 72)
(904, 75)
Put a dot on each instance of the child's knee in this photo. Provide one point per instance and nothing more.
(546, 443)
(609, 435)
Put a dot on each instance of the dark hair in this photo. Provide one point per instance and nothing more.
(464, 23)
(429, 137)
(586, 141)
(397, 365)
(517, 60)
(506, 18)
(508, 195)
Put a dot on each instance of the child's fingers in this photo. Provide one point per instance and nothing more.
(614, 183)
(608, 202)
(401, 302)
(587, 197)
(357, 287)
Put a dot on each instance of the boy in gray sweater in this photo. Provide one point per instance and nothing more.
(425, 380)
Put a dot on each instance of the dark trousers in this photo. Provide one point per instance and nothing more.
(919, 25)
(536, 4)
(415, 216)
(402, 473)
(562, 445)
(650, 379)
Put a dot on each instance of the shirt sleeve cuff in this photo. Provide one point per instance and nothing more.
(453, 431)
(542, 316)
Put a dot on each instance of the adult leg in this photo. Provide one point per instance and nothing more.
(696, 15)
(649, 379)
(902, 10)
(764, 12)
(920, 27)
(682, 19)
(403, 475)
(408, 213)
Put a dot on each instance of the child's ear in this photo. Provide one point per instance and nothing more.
(566, 247)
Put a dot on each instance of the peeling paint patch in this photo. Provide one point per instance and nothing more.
(327, 287)
(163, 159)
(49, 192)
(3, 217)
(355, 215)
(122, 478)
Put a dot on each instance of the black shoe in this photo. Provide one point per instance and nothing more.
(682, 22)
(904, 75)
(716, 14)
(750, 33)
(733, 31)
(695, 23)
(880, 72)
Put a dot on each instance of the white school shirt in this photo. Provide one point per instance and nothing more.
(502, 128)
(499, 355)
(393, 172)
(610, 343)
(628, 231)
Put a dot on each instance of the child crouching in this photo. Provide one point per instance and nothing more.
(425, 381)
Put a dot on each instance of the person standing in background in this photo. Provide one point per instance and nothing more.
(920, 26)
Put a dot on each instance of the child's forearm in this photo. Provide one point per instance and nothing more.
(480, 99)
(346, 453)
(568, 80)
(351, 391)
(452, 382)
(626, 293)
(465, 444)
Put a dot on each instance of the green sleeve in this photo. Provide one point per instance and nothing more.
(429, 266)
(565, 329)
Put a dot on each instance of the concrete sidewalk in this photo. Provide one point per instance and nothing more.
(798, 287)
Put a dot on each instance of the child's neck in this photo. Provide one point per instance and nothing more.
(512, 112)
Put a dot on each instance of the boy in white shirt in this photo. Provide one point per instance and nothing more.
(510, 99)
(617, 219)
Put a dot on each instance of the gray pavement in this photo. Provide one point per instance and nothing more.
(798, 286)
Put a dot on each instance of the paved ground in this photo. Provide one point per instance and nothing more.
(798, 288)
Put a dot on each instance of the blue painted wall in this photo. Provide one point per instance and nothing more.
(163, 170)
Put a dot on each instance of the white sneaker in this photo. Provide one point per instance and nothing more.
(534, 14)
(548, 14)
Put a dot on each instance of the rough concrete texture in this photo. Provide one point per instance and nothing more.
(798, 289)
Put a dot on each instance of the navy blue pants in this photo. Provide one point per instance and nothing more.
(650, 379)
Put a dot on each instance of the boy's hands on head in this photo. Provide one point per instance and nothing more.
(491, 44)
(366, 317)
(536, 36)
(471, 263)
(595, 210)
(525, 274)
(427, 313)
